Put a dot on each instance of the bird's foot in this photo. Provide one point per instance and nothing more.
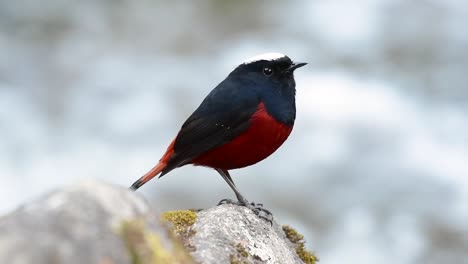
(257, 208)
(261, 212)
(229, 201)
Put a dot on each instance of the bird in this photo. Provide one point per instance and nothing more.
(242, 121)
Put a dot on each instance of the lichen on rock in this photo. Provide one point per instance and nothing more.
(241, 255)
(299, 242)
(101, 223)
(145, 246)
(181, 220)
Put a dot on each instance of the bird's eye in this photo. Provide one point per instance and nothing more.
(267, 71)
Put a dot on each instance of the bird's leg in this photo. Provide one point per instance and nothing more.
(256, 208)
(240, 198)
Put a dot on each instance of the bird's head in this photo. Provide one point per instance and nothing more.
(269, 78)
(268, 68)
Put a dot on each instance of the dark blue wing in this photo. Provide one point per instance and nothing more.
(222, 116)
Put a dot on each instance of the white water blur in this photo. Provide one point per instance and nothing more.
(375, 170)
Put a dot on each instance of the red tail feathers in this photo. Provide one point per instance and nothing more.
(148, 176)
(156, 169)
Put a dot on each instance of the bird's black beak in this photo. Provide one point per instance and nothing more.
(295, 65)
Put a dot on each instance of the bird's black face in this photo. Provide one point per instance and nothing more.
(268, 78)
(275, 71)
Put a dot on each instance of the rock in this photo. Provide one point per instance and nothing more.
(87, 223)
(104, 224)
(230, 233)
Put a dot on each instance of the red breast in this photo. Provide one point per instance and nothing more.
(263, 137)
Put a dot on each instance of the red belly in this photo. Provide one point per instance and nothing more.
(264, 136)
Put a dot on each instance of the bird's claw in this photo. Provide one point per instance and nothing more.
(256, 204)
(261, 212)
(257, 208)
(229, 201)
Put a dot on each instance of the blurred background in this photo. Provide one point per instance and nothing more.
(375, 170)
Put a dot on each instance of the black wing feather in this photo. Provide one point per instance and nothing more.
(223, 115)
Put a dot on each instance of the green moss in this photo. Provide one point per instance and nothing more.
(241, 256)
(233, 259)
(298, 240)
(181, 220)
(241, 250)
(145, 247)
(292, 234)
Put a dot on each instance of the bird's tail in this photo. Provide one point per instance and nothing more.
(156, 170)
(148, 176)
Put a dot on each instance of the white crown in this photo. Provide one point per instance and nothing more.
(265, 56)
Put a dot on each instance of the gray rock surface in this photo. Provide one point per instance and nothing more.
(79, 224)
(99, 223)
(227, 232)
